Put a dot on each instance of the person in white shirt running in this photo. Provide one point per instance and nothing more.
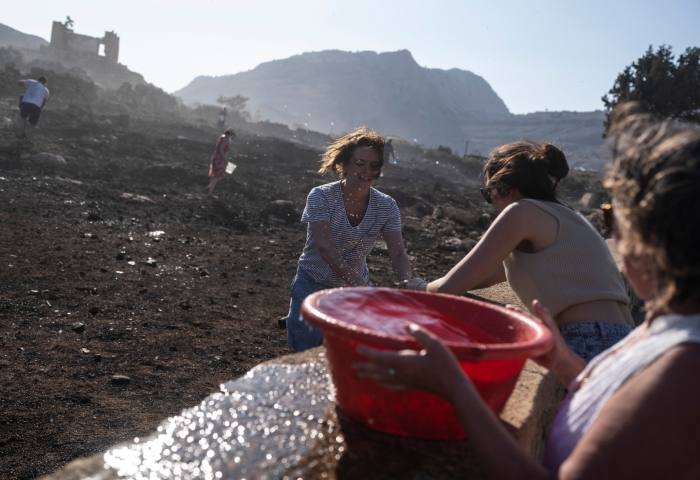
(35, 96)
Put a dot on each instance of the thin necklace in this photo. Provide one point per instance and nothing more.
(342, 192)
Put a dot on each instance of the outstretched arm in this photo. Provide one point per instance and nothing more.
(323, 235)
(397, 255)
(483, 265)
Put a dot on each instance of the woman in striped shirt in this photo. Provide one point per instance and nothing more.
(344, 219)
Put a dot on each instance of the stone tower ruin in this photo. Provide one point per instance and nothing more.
(64, 39)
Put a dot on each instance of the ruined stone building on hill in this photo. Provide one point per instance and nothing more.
(64, 39)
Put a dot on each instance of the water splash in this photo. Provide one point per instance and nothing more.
(254, 428)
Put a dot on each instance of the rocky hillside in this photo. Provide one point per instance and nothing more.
(578, 133)
(11, 37)
(127, 295)
(334, 90)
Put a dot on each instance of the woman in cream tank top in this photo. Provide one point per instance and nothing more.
(544, 249)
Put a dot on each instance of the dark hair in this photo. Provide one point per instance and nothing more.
(655, 183)
(42, 80)
(338, 153)
(228, 131)
(532, 168)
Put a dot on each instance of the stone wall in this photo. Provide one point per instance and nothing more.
(280, 420)
(65, 39)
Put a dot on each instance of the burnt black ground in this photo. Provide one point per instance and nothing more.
(179, 313)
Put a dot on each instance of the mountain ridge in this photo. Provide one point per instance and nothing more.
(11, 37)
(349, 89)
(333, 91)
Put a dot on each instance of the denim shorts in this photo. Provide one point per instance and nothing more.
(588, 339)
(300, 335)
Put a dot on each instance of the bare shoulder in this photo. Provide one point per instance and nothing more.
(526, 209)
(538, 225)
(650, 427)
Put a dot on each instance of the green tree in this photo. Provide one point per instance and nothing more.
(237, 102)
(666, 88)
(443, 149)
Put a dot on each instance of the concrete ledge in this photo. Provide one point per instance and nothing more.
(300, 433)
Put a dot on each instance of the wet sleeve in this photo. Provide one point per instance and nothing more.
(317, 209)
(393, 222)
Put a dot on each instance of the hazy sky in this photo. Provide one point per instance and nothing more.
(536, 54)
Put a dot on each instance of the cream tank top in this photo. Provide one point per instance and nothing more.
(606, 374)
(576, 268)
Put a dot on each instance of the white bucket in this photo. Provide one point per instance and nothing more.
(230, 167)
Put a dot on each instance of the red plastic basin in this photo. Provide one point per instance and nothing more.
(491, 343)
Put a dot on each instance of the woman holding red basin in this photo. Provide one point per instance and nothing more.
(632, 411)
(544, 249)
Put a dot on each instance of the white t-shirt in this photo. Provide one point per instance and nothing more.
(36, 93)
(325, 204)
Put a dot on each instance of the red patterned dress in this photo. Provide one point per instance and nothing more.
(216, 168)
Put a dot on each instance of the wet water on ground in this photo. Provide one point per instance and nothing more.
(260, 426)
(280, 421)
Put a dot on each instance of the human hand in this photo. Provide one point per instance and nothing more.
(434, 369)
(418, 284)
(561, 360)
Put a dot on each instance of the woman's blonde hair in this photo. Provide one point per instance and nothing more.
(655, 187)
(339, 153)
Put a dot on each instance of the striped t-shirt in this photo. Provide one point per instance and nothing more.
(325, 204)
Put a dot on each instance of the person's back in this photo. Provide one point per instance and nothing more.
(36, 93)
(35, 96)
(557, 275)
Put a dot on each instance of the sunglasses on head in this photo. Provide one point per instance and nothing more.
(486, 194)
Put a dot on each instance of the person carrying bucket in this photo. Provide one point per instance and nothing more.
(217, 171)
(344, 220)
(633, 411)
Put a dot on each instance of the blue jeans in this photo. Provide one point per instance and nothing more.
(300, 335)
(588, 339)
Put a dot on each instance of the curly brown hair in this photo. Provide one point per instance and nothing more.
(533, 168)
(655, 186)
(338, 153)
